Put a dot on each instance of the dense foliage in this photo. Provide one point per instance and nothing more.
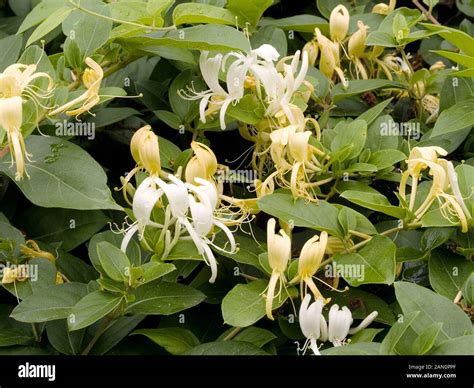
(236, 177)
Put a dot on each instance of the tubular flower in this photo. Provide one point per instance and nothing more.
(145, 150)
(92, 79)
(356, 48)
(384, 9)
(203, 207)
(279, 254)
(452, 204)
(310, 259)
(311, 321)
(340, 321)
(339, 23)
(313, 50)
(329, 60)
(202, 165)
(15, 86)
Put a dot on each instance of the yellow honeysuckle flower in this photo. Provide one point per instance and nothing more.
(329, 60)
(15, 83)
(145, 150)
(452, 206)
(384, 9)
(313, 50)
(279, 255)
(310, 259)
(92, 79)
(339, 23)
(11, 275)
(356, 45)
(202, 165)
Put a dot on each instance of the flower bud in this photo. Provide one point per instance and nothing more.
(279, 247)
(437, 66)
(312, 255)
(298, 145)
(384, 9)
(145, 150)
(312, 49)
(202, 165)
(339, 23)
(357, 41)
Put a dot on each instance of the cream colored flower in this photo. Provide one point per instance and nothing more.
(92, 79)
(279, 255)
(339, 23)
(202, 165)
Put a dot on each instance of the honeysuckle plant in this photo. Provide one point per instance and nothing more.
(234, 177)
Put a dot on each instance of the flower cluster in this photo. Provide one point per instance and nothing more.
(315, 327)
(191, 210)
(444, 186)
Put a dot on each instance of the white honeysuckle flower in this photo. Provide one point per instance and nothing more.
(145, 198)
(267, 52)
(202, 214)
(311, 318)
(210, 69)
(340, 321)
(279, 88)
(177, 194)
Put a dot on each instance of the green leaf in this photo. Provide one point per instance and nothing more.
(300, 23)
(89, 32)
(460, 346)
(194, 13)
(10, 48)
(248, 11)
(371, 114)
(386, 158)
(50, 303)
(448, 273)
(169, 118)
(114, 262)
(365, 335)
(464, 60)
(62, 339)
(392, 343)
(82, 185)
(44, 9)
(458, 38)
(245, 304)
(433, 309)
(107, 116)
(320, 216)
(357, 349)
(351, 134)
(226, 348)
(426, 339)
(203, 37)
(248, 110)
(153, 270)
(91, 308)
(374, 263)
(248, 251)
(116, 332)
(64, 228)
(255, 335)
(374, 201)
(455, 118)
(164, 298)
(174, 340)
(361, 86)
(49, 24)
(379, 136)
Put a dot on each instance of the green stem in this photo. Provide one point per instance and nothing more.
(101, 330)
(35, 332)
(232, 334)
